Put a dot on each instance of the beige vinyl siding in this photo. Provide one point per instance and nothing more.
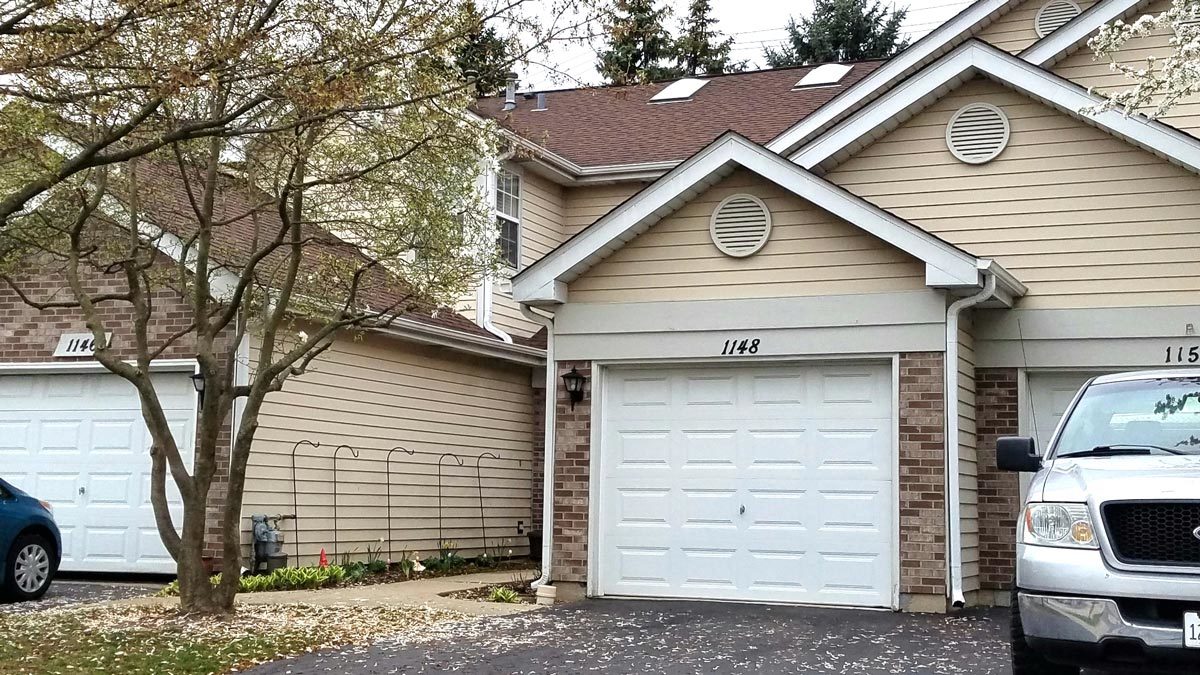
(541, 232)
(968, 458)
(1083, 68)
(584, 205)
(1082, 218)
(1014, 31)
(810, 252)
(378, 393)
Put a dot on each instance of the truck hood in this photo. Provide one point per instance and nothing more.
(1100, 479)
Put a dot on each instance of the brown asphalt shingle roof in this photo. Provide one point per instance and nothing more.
(603, 126)
(234, 242)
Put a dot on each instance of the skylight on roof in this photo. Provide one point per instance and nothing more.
(824, 75)
(680, 90)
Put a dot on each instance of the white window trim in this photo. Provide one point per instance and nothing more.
(508, 270)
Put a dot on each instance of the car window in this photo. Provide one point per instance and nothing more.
(1161, 412)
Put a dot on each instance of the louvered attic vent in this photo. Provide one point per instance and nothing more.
(1054, 15)
(977, 133)
(740, 225)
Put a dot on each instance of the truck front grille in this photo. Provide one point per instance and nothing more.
(1154, 533)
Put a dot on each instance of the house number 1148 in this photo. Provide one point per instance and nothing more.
(735, 346)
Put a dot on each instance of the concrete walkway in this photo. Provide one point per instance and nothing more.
(416, 593)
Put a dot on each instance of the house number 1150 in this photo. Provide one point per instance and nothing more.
(1183, 354)
(735, 346)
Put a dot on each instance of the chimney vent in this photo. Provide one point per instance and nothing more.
(541, 102)
(510, 92)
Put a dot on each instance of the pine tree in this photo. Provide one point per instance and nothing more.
(701, 49)
(484, 54)
(640, 49)
(841, 30)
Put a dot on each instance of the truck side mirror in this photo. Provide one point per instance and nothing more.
(1017, 453)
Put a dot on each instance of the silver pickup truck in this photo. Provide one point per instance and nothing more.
(1108, 543)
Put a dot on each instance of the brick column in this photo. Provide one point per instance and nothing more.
(999, 491)
(538, 456)
(922, 482)
(572, 451)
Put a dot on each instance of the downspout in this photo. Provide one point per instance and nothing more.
(547, 445)
(483, 309)
(950, 370)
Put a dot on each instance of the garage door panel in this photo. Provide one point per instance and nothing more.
(762, 484)
(84, 448)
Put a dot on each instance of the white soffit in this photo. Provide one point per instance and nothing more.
(545, 281)
(975, 57)
(679, 90)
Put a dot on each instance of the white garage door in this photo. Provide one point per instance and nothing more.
(769, 484)
(78, 441)
(1050, 395)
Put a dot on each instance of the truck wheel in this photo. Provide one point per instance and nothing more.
(1025, 661)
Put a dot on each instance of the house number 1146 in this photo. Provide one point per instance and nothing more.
(735, 346)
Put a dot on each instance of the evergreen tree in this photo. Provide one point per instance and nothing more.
(639, 49)
(484, 53)
(841, 30)
(701, 49)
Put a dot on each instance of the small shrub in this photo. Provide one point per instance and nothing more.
(377, 566)
(503, 594)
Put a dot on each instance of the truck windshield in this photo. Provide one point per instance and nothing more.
(1161, 415)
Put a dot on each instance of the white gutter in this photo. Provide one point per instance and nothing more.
(953, 505)
(547, 445)
(416, 331)
(483, 309)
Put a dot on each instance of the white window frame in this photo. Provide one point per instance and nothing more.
(499, 215)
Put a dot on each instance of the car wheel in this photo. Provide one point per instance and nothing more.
(29, 568)
(1025, 661)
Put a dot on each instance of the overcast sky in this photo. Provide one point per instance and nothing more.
(752, 23)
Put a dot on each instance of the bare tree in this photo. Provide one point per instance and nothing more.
(291, 168)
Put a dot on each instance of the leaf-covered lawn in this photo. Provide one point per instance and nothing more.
(110, 640)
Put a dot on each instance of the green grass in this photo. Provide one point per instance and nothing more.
(115, 640)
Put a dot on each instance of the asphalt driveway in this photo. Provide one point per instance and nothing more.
(67, 593)
(605, 636)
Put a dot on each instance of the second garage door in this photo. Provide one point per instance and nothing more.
(770, 484)
(79, 442)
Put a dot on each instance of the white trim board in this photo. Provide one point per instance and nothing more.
(545, 282)
(978, 58)
(950, 34)
(1069, 37)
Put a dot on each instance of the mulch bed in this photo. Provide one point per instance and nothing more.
(394, 575)
(526, 594)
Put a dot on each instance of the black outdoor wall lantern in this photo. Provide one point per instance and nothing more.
(574, 383)
(198, 383)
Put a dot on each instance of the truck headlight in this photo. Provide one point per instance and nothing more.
(1065, 525)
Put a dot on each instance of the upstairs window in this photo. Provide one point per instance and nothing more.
(508, 217)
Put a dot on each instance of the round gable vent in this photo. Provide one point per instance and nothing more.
(977, 133)
(740, 225)
(1054, 15)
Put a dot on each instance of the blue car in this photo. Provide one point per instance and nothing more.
(30, 544)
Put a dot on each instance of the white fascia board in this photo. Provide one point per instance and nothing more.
(415, 331)
(908, 99)
(1055, 46)
(944, 38)
(545, 281)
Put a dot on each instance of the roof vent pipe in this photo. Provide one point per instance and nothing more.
(510, 92)
(541, 102)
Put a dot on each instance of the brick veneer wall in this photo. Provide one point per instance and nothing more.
(999, 491)
(922, 474)
(539, 456)
(28, 335)
(572, 451)
(922, 478)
